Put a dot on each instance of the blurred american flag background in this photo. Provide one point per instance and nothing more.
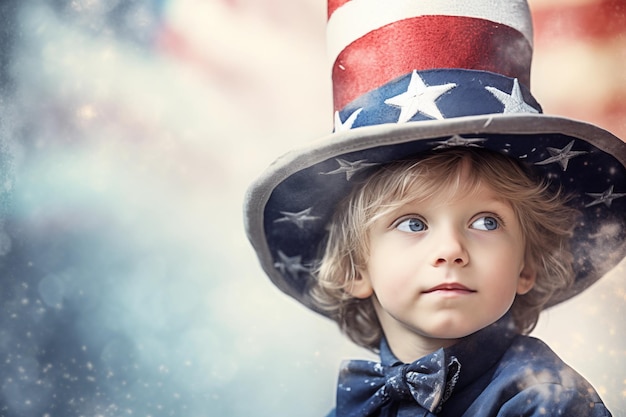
(129, 131)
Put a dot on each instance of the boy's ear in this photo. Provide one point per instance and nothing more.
(527, 278)
(361, 286)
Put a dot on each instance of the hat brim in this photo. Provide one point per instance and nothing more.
(294, 185)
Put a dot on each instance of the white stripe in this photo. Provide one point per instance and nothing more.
(357, 18)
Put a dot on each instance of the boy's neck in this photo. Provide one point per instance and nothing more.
(409, 351)
(408, 346)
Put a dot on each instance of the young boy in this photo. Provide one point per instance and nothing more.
(426, 257)
(444, 214)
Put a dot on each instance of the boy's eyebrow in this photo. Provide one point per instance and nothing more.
(411, 206)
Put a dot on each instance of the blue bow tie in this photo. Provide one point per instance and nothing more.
(365, 387)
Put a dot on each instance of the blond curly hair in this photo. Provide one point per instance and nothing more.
(545, 218)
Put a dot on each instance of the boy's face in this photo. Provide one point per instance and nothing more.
(441, 270)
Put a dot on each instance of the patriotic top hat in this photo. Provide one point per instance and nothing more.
(414, 75)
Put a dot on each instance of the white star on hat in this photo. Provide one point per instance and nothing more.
(459, 141)
(514, 102)
(606, 197)
(562, 156)
(419, 98)
(298, 218)
(350, 168)
(290, 264)
(347, 125)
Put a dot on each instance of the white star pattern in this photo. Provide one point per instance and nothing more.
(514, 102)
(350, 168)
(459, 141)
(290, 264)
(606, 197)
(562, 156)
(419, 98)
(298, 219)
(347, 125)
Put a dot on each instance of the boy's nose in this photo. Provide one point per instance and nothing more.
(450, 250)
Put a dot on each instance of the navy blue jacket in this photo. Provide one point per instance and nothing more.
(505, 374)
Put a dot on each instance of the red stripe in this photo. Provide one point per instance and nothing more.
(334, 5)
(178, 46)
(428, 42)
(601, 20)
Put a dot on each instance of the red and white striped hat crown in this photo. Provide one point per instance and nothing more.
(410, 76)
(371, 42)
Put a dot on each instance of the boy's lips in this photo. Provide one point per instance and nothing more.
(452, 287)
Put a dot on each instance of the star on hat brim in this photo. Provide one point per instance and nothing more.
(350, 168)
(605, 198)
(561, 156)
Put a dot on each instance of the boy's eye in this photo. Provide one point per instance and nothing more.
(411, 225)
(486, 223)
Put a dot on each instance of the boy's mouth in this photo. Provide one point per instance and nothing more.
(451, 288)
